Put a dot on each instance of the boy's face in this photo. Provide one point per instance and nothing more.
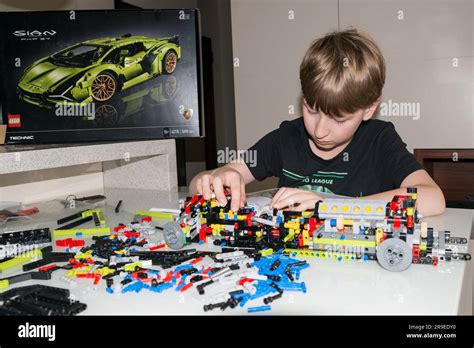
(328, 132)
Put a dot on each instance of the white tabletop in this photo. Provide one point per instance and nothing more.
(332, 287)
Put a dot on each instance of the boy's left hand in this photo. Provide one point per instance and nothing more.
(297, 199)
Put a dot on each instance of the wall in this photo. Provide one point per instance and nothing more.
(428, 50)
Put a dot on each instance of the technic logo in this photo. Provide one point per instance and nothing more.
(34, 34)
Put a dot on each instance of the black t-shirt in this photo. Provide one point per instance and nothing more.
(376, 160)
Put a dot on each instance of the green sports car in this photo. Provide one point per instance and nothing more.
(95, 70)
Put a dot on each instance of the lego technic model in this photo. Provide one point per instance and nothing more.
(95, 70)
(340, 229)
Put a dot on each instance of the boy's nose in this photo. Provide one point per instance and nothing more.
(321, 131)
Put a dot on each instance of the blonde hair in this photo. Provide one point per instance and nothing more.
(343, 71)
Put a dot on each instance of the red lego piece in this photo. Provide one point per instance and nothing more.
(416, 250)
(47, 268)
(207, 270)
(129, 234)
(156, 247)
(97, 278)
(186, 287)
(168, 277)
(193, 262)
(245, 280)
(396, 223)
(146, 219)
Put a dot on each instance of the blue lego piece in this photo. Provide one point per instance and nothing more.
(110, 290)
(78, 234)
(183, 279)
(333, 222)
(342, 237)
(259, 309)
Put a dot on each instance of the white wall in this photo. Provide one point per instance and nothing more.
(419, 51)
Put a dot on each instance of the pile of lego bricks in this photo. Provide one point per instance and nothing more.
(125, 261)
(243, 228)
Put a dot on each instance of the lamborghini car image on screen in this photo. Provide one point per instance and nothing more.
(97, 69)
(100, 75)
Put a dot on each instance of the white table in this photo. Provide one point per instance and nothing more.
(333, 287)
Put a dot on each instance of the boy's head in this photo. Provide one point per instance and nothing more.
(342, 76)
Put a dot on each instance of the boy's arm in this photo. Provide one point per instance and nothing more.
(430, 198)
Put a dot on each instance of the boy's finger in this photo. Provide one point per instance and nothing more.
(277, 195)
(305, 205)
(219, 190)
(287, 193)
(199, 186)
(290, 200)
(206, 187)
(243, 198)
(235, 193)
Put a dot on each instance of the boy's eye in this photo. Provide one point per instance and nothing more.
(340, 122)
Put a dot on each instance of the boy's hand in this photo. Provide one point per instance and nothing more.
(301, 199)
(219, 179)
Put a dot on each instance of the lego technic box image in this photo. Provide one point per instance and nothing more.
(77, 76)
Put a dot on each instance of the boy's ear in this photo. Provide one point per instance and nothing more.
(369, 112)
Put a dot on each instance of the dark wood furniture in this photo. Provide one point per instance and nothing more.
(453, 171)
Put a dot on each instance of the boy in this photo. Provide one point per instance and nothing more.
(335, 147)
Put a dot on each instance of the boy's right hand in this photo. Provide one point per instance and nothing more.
(217, 181)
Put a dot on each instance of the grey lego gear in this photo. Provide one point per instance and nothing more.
(394, 254)
(173, 234)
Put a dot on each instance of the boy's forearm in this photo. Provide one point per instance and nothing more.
(430, 199)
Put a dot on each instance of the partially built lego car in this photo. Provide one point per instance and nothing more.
(341, 229)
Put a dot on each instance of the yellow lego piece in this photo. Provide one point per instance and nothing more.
(266, 252)
(305, 237)
(156, 214)
(100, 231)
(4, 284)
(290, 236)
(99, 213)
(131, 267)
(85, 255)
(378, 235)
(21, 259)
